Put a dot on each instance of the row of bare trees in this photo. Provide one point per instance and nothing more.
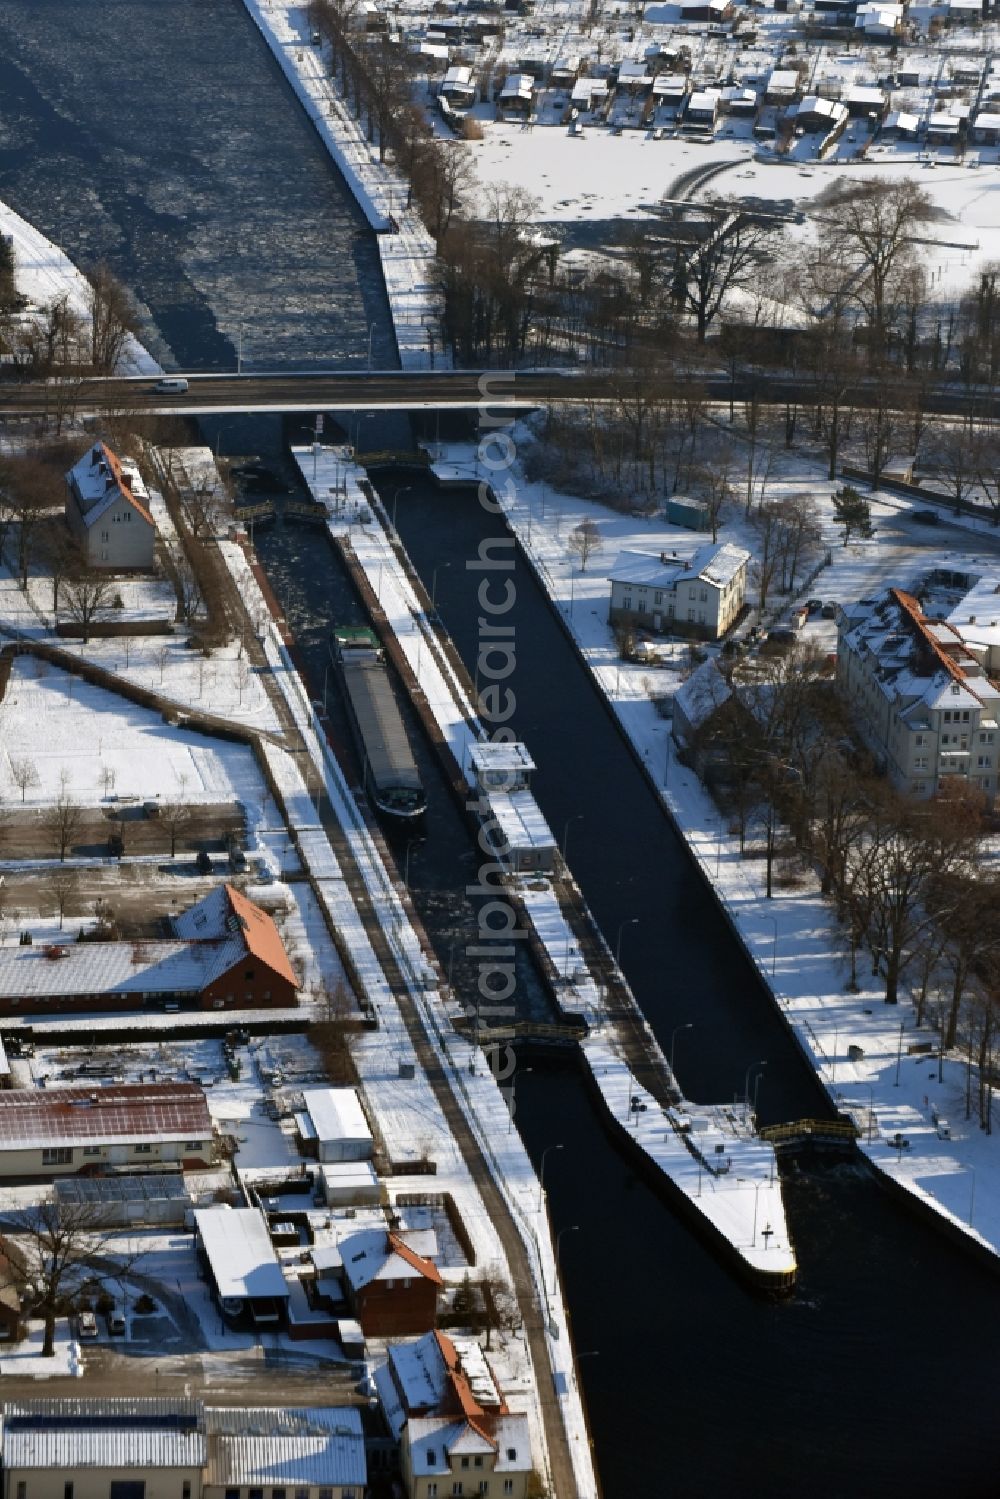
(909, 880)
(64, 340)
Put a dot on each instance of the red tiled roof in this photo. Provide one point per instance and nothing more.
(111, 459)
(260, 935)
(919, 621)
(128, 1111)
(424, 1267)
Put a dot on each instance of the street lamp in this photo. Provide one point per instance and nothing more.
(513, 1096)
(434, 582)
(687, 1026)
(371, 330)
(746, 1083)
(774, 949)
(571, 1228)
(541, 1173)
(239, 350)
(632, 921)
(756, 1199)
(577, 817)
(400, 489)
(899, 1054)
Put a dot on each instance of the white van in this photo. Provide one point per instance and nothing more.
(172, 386)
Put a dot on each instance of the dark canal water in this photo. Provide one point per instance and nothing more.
(135, 130)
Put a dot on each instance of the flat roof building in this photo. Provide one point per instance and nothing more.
(240, 1257)
(338, 1124)
(129, 1127)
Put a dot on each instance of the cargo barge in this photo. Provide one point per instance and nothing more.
(389, 771)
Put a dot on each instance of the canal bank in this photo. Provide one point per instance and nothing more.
(709, 1154)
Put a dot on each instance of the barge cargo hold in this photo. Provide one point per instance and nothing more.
(390, 774)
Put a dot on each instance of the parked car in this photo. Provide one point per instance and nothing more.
(780, 639)
(115, 1319)
(86, 1325)
(814, 605)
(203, 862)
(829, 609)
(926, 517)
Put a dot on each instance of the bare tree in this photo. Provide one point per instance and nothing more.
(63, 885)
(62, 820)
(175, 817)
(731, 253)
(112, 318)
(24, 774)
(31, 487)
(88, 599)
(584, 541)
(62, 1243)
(872, 233)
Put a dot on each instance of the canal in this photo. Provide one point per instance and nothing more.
(132, 130)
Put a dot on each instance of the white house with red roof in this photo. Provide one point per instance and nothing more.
(921, 694)
(107, 510)
(456, 1432)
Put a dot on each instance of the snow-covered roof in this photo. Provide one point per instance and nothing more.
(783, 81)
(716, 564)
(434, 1440)
(98, 481)
(518, 86)
(520, 820)
(308, 1447)
(239, 1249)
(124, 1434)
(103, 969)
(986, 121)
(704, 101)
(827, 109)
(373, 1254)
(499, 756)
(336, 1114)
(457, 77)
(32, 1118)
(705, 690)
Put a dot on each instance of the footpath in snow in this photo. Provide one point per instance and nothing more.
(877, 1066)
(710, 1155)
(406, 249)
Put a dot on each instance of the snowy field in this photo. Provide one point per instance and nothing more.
(72, 732)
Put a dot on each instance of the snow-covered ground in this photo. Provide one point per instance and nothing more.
(24, 1360)
(45, 274)
(793, 938)
(72, 733)
(405, 247)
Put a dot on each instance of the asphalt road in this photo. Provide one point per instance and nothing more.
(414, 389)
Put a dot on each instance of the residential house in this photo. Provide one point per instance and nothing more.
(816, 116)
(127, 1127)
(700, 595)
(142, 1448)
(784, 86)
(226, 954)
(866, 103)
(921, 693)
(391, 1281)
(517, 97)
(696, 702)
(456, 1432)
(702, 112)
(458, 88)
(986, 128)
(107, 511)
